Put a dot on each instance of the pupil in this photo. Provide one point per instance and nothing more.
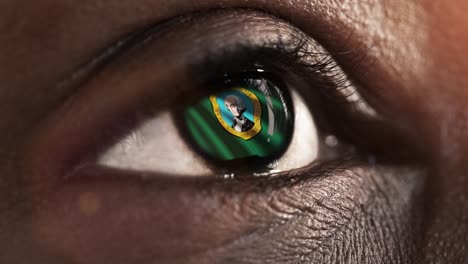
(249, 121)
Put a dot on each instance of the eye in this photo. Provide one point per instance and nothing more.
(257, 128)
(250, 125)
(266, 101)
(251, 111)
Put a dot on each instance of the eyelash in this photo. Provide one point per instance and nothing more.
(326, 82)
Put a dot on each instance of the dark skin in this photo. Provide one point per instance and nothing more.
(413, 73)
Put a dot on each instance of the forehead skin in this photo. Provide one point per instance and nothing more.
(419, 76)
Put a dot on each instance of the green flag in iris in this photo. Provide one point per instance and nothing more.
(252, 119)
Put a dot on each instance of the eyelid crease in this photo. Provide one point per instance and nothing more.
(301, 50)
(72, 82)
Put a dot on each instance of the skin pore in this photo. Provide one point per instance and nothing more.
(55, 71)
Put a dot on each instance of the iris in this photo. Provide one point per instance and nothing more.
(248, 120)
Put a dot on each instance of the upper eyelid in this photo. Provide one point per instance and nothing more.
(267, 32)
(123, 45)
(273, 32)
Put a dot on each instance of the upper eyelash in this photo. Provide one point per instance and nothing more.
(327, 74)
(296, 47)
(327, 66)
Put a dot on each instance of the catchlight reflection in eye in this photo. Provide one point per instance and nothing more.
(250, 120)
(251, 125)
